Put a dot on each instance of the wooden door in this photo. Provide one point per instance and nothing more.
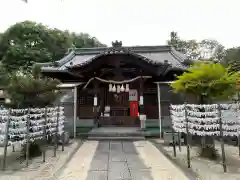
(120, 110)
(119, 105)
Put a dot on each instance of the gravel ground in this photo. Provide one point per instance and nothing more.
(38, 170)
(206, 169)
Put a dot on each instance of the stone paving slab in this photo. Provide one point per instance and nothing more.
(119, 163)
(102, 157)
(140, 175)
(120, 160)
(97, 175)
(119, 175)
(98, 165)
(138, 166)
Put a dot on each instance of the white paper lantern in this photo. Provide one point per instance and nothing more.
(114, 88)
(122, 88)
(110, 88)
(127, 88)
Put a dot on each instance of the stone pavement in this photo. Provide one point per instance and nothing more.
(120, 160)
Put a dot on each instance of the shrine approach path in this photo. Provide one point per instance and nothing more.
(120, 160)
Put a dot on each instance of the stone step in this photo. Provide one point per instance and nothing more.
(116, 138)
(111, 134)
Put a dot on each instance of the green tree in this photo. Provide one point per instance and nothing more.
(206, 49)
(209, 82)
(4, 76)
(213, 50)
(84, 40)
(31, 89)
(26, 90)
(57, 43)
(28, 42)
(190, 48)
(232, 58)
(23, 44)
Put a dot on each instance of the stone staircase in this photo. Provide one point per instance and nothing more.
(114, 133)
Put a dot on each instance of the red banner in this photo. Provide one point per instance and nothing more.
(134, 108)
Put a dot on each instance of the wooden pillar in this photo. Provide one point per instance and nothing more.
(95, 101)
(159, 109)
(141, 105)
(75, 113)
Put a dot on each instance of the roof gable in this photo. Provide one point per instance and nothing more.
(153, 54)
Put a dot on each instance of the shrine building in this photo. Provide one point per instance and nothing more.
(120, 86)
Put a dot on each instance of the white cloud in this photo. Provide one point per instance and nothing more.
(135, 22)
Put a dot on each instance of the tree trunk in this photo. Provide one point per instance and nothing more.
(207, 142)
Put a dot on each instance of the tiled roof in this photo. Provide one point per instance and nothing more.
(152, 54)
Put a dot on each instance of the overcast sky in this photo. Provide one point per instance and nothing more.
(135, 22)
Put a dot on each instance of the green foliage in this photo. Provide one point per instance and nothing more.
(190, 48)
(215, 50)
(57, 43)
(207, 80)
(84, 40)
(197, 50)
(32, 90)
(25, 43)
(232, 58)
(4, 76)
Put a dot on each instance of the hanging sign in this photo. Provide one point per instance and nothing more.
(133, 95)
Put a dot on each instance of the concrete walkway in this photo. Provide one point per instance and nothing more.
(120, 160)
